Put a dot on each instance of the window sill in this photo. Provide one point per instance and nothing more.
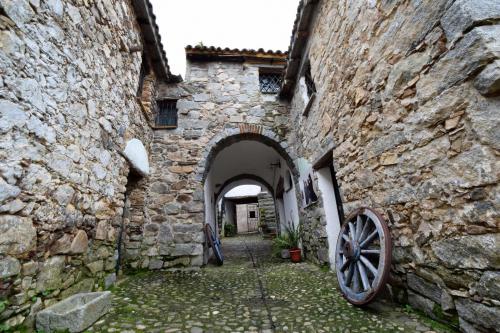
(155, 127)
(308, 105)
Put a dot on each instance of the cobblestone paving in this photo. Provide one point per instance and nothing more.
(251, 292)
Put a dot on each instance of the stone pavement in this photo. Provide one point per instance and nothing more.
(251, 292)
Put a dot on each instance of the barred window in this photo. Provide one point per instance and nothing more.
(311, 87)
(270, 83)
(167, 113)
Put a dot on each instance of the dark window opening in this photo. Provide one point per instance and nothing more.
(311, 87)
(142, 75)
(252, 214)
(270, 83)
(167, 113)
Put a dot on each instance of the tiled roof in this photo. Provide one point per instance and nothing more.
(219, 50)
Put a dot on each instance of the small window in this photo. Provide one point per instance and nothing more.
(311, 87)
(167, 113)
(270, 83)
(252, 214)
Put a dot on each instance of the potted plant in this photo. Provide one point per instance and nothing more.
(288, 244)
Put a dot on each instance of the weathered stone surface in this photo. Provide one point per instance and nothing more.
(80, 243)
(421, 303)
(486, 316)
(64, 194)
(85, 285)
(17, 234)
(11, 115)
(488, 81)
(9, 267)
(95, 266)
(50, 276)
(489, 285)
(62, 245)
(187, 250)
(424, 287)
(75, 313)
(464, 14)
(481, 251)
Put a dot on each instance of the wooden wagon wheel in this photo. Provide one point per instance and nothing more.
(363, 256)
(214, 243)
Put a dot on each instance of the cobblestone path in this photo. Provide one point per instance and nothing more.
(251, 292)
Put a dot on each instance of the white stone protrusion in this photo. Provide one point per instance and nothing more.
(137, 156)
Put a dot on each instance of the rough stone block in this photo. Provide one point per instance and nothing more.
(464, 14)
(80, 243)
(424, 287)
(75, 313)
(17, 234)
(187, 250)
(155, 264)
(478, 251)
(488, 81)
(489, 285)
(421, 303)
(9, 267)
(50, 276)
(486, 316)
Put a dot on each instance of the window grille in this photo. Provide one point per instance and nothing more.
(270, 83)
(167, 113)
(311, 87)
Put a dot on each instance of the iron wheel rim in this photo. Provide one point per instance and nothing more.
(362, 272)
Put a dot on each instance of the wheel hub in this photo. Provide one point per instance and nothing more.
(352, 250)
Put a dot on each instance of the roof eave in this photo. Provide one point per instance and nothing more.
(152, 40)
(300, 36)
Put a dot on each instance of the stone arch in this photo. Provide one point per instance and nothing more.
(244, 177)
(250, 132)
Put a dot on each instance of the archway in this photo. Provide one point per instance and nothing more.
(249, 158)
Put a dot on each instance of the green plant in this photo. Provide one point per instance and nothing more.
(229, 230)
(3, 305)
(288, 240)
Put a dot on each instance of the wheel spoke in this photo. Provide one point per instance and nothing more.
(369, 239)
(349, 275)
(364, 277)
(355, 282)
(352, 231)
(345, 265)
(371, 251)
(359, 225)
(364, 232)
(369, 265)
(345, 237)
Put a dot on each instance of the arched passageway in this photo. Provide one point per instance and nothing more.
(250, 158)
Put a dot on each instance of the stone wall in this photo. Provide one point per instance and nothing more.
(267, 213)
(68, 84)
(217, 98)
(408, 92)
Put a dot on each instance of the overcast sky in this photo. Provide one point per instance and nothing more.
(250, 24)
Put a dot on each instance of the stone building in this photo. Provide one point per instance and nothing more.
(108, 161)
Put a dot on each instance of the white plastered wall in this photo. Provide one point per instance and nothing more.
(325, 184)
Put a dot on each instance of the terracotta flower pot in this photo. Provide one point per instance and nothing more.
(295, 255)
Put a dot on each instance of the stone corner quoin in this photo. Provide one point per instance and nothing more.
(94, 182)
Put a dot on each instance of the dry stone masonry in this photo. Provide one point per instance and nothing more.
(402, 96)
